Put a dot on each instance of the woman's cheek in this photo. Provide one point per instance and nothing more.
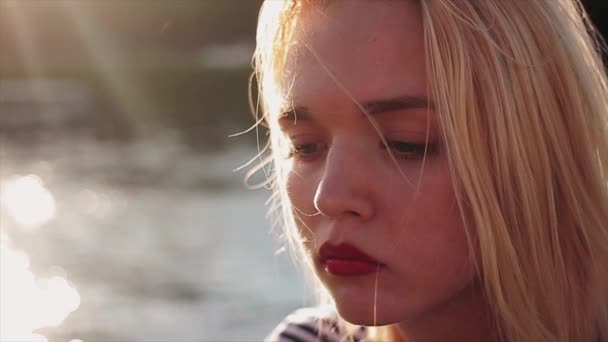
(301, 190)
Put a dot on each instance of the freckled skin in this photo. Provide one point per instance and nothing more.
(376, 50)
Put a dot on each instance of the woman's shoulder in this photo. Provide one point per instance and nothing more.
(317, 324)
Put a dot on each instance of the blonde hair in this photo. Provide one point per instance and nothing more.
(522, 100)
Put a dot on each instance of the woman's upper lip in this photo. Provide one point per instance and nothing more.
(344, 251)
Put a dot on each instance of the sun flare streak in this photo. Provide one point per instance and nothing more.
(108, 58)
(25, 37)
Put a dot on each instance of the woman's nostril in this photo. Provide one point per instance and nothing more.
(353, 213)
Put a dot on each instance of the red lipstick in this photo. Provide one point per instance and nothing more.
(347, 260)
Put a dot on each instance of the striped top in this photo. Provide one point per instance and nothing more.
(318, 324)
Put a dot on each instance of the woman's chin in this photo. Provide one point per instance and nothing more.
(358, 313)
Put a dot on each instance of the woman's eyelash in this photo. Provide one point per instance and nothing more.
(303, 150)
(409, 150)
(400, 149)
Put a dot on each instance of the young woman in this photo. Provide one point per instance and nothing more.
(442, 166)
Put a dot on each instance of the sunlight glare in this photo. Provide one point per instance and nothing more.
(28, 201)
(28, 303)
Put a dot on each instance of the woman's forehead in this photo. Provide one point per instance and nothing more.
(363, 25)
(370, 49)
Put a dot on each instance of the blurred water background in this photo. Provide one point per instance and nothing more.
(120, 216)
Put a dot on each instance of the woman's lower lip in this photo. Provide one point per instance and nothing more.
(343, 267)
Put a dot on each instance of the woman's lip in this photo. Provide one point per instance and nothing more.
(343, 267)
(346, 260)
(344, 251)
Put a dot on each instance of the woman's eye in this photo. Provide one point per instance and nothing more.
(408, 150)
(304, 151)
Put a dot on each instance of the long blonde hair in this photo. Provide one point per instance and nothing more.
(522, 101)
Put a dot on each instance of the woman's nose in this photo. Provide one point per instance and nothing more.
(346, 186)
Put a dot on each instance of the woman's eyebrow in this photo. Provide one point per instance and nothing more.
(372, 107)
(394, 104)
(293, 114)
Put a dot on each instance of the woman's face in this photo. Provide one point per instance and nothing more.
(385, 235)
